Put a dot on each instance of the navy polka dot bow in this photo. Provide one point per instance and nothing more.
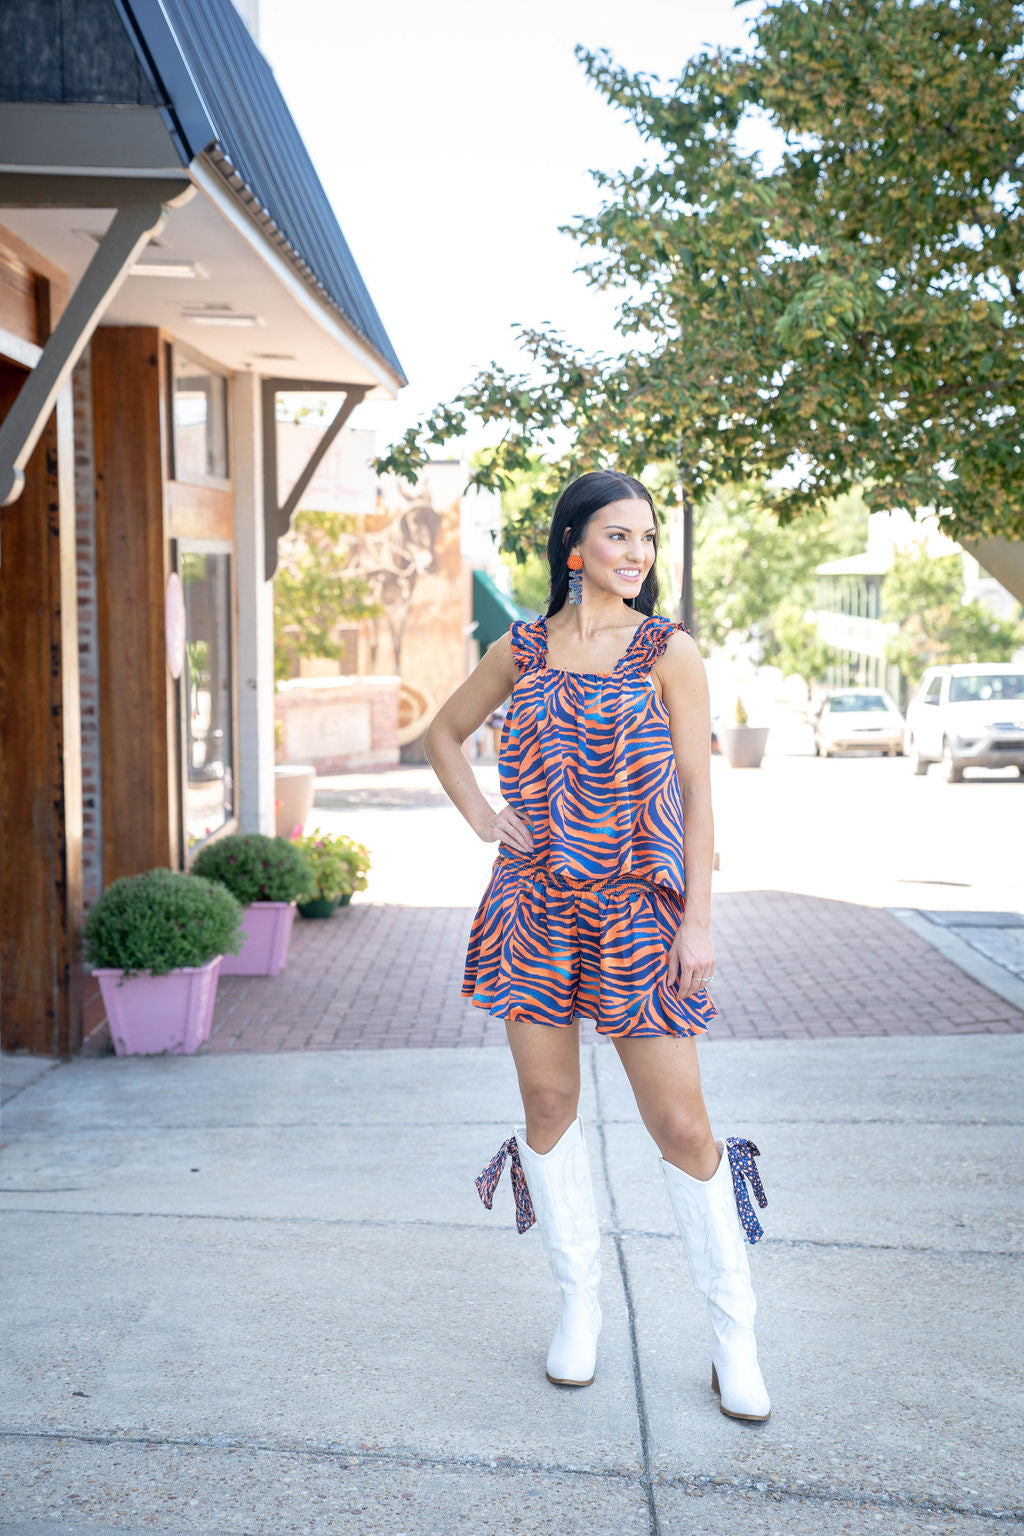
(741, 1161)
(487, 1183)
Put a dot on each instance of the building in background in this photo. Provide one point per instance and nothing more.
(169, 267)
(850, 609)
(427, 556)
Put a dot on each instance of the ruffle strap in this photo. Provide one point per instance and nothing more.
(487, 1183)
(651, 643)
(529, 648)
(741, 1162)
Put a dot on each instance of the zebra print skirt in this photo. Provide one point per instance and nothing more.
(545, 949)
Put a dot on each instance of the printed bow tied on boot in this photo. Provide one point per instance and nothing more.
(716, 1220)
(487, 1183)
(554, 1189)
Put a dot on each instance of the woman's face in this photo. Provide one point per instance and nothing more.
(618, 546)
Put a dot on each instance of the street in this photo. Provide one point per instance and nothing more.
(856, 828)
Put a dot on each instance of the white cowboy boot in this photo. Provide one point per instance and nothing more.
(707, 1212)
(563, 1200)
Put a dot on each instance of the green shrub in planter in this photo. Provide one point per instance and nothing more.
(257, 868)
(161, 921)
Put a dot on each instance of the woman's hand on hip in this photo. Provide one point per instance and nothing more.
(506, 827)
(691, 959)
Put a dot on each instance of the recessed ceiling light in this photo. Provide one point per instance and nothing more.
(220, 317)
(166, 269)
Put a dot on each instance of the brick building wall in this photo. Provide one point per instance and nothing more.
(339, 724)
(88, 656)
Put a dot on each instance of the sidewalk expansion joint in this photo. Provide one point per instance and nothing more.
(773, 1490)
(850, 1498)
(840, 1243)
(361, 1455)
(653, 1520)
(49, 1133)
(378, 1223)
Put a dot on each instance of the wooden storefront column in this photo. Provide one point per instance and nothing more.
(137, 719)
(40, 749)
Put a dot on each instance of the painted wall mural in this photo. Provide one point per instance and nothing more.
(406, 547)
(408, 552)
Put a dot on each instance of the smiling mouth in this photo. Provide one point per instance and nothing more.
(630, 574)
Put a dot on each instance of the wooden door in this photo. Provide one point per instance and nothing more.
(40, 749)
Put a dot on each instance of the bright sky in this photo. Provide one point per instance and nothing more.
(453, 137)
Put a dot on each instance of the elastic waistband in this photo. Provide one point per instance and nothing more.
(557, 877)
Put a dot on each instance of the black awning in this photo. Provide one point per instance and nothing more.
(222, 100)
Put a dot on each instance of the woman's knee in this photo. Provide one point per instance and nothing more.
(682, 1133)
(550, 1107)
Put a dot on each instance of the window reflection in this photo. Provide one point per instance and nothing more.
(200, 419)
(208, 767)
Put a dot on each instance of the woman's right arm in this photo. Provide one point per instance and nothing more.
(487, 686)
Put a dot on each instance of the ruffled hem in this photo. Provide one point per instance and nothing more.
(543, 952)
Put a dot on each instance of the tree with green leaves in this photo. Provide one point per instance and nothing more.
(746, 567)
(820, 263)
(312, 594)
(924, 596)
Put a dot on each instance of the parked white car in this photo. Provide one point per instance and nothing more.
(857, 720)
(967, 716)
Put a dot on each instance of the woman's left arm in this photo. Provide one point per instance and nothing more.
(684, 690)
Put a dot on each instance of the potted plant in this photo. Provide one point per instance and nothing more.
(339, 868)
(742, 743)
(155, 943)
(267, 875)
(358, 858)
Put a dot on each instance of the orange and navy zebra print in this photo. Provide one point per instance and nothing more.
(584, 924)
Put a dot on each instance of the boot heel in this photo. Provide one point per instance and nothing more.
(714, 1379)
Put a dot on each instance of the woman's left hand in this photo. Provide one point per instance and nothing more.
(691, 959)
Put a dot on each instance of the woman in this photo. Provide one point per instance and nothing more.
(605, 757)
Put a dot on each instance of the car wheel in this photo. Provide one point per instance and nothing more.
(918, 764)
(951, 770)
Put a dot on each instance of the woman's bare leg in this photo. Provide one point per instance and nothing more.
(547, 1061)
(664, 1074)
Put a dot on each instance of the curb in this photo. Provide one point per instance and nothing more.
(995, 977)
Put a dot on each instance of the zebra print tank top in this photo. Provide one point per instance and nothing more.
(586, 759)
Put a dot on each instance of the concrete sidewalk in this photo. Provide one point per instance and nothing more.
(256, 1294)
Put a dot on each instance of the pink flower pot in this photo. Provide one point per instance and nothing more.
(148, 1014)
(267, 926)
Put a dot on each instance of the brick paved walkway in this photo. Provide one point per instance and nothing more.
(789, 966)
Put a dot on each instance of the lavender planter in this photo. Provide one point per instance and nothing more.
(267, 926)
(148, 1014)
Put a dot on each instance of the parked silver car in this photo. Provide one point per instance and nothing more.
(967, 716)
(855, 720)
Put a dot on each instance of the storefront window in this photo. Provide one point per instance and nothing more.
(199, 419)
(208, 778)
